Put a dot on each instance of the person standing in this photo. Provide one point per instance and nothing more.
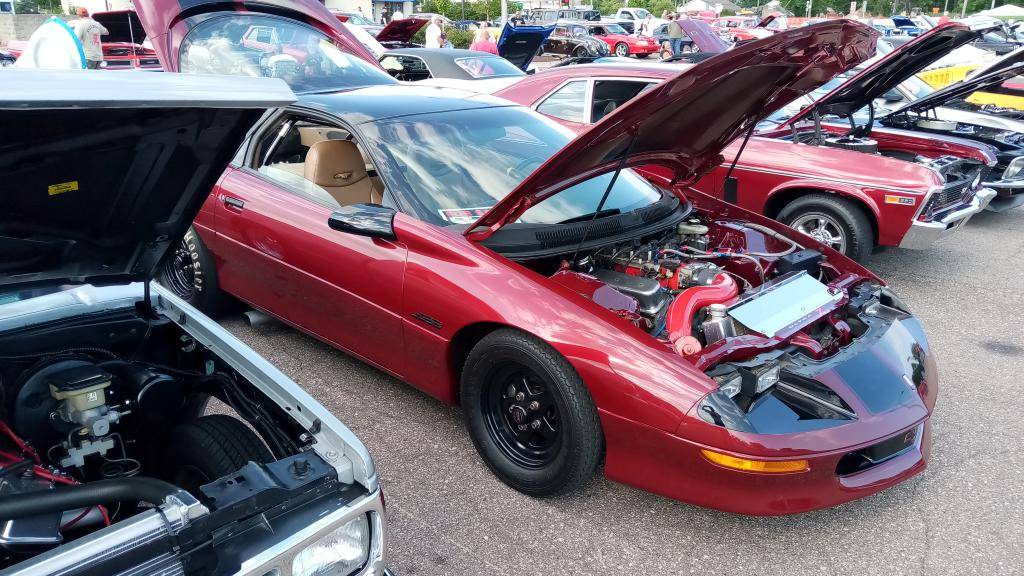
(385, 16)
(433, 34)
(675, 34)
(89, 32)
(646, 27)
(398, 14)
(517, 19)
(483, 42)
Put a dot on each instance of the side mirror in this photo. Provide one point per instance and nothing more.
(893, 96)
(364, 220)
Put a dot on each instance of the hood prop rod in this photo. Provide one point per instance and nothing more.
(730, 190)
(604, 198)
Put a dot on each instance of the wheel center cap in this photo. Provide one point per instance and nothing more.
(518, 414)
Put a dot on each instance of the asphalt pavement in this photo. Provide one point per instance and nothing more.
(964, 515)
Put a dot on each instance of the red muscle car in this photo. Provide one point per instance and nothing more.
(622, 43)
(848, 200)
(473, 248)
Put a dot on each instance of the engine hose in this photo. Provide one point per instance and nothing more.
(80, 496)
(679, 320)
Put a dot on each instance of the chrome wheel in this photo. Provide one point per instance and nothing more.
(823, 228)
(621, 50)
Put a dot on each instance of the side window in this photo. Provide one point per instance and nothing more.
(597, 31)
(264, 36)
(560, 31)
(318, 162)
(611, 94)
(627, 16)
(567, 103)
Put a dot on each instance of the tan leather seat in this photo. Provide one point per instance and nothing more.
(339, 168)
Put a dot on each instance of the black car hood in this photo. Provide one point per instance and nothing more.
(961, 89)
(520, 44)
(123, 25)
(890, 70)
(105, 175)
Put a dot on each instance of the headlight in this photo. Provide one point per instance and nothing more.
(757, 380)
(339, 553)
(1014, 169)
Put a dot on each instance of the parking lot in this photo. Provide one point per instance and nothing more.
(965, 515)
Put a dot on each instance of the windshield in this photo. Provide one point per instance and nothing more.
(453, 166)
(358, 20)
(248, 45)
(488, 67)
(641, 13)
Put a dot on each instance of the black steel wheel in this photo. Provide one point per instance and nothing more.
(529, 414)
(521, 416)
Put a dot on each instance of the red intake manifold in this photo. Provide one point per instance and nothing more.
(679, 321)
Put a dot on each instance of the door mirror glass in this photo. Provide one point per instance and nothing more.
(370, 220)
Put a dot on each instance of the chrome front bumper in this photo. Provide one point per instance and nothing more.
(924, 234)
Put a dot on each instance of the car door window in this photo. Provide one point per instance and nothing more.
(292, 157)
(611, 94)
(561, 31)
(627, 16)
(407, 68)
(567, 103)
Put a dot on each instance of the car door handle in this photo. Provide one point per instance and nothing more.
(234, 202)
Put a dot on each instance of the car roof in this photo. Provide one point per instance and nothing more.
(375, 103)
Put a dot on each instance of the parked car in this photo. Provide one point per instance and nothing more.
(111, 462)
(452, 68)
(446, 240)
(357, 19)
(847, 200)
(698, 36)
(399, 33)
(622, 43)
(547, 17)
(628, 17)
(7, 59)
(123, 48)
(572, 39)
(848, 111)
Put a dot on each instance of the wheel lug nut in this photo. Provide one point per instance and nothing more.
(523, 427)
(535, 424)
(534, 405)
(520, 396)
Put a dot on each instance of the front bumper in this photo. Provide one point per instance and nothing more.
(924, 234)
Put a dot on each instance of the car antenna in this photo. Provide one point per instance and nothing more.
(604, 198)
(730, 187)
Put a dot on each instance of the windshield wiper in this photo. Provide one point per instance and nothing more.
(591, 215)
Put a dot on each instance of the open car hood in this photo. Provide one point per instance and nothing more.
(685, 122)
(520, 44)
(401, 30)
(123, 25)
(167, 22)
(105, 175)
(961, 89)
(706, 39)
(889, 71)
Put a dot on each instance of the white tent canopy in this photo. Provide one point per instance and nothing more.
(1004, 11)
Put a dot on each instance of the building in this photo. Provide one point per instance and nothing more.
(372, 9)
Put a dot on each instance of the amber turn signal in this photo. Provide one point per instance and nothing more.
(760, 466)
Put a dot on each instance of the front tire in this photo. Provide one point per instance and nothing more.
(834, 221)
(529, 414)
(211, 447)
(190, 272)
(621, 50)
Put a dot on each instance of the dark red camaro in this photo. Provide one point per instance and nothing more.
(474, 249)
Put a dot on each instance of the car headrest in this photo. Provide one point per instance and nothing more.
(334, 163)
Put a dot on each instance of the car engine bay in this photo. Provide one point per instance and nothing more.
(114, 421)
(756, 311)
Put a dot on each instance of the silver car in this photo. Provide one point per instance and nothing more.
(113, 459)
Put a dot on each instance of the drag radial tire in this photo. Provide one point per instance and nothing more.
(189, 271)
(832, 220)
(208, 448)
(529, 414)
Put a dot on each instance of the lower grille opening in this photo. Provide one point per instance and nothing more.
(871, 456)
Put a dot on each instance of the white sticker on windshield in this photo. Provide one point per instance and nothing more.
(463, 215)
